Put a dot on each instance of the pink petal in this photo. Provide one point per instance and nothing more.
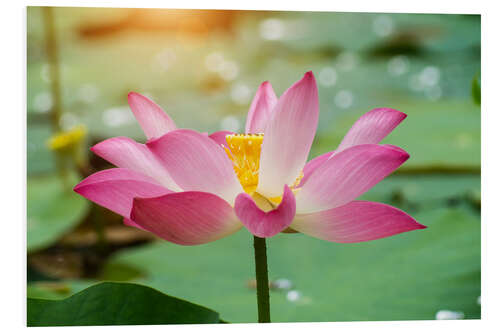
(265, 224)
(288, 136)
(220, 137)
(131, 223)
(153, 120)
(372, 127)
(197, 163)
(357, 221)
(261, 108)
(186, 218)
(126, 153)
(116, 188)
(347, 175)
(313, 164)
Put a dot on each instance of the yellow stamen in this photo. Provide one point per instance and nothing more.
(244, 152)
(295, 189)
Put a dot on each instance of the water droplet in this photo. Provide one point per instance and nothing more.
(398, 65)
(293, 295)
(478, 300)
(282, 284)
(344, 99)
(272, 29)
(328, 76)
(449, 315)
(230, 123)
(383, 25)
(240, 94)
(43, 102)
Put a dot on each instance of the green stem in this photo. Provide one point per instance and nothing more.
(55, 88)
(263, 307)
(53, 60)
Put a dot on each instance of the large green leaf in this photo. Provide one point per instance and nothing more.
(404, 277)
(53, 209)
(111, 303)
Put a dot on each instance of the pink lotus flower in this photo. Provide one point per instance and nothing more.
(192, 188)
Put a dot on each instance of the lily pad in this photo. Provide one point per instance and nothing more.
(53, 209)
(111, 303)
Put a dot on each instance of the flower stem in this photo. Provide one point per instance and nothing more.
(262, 279)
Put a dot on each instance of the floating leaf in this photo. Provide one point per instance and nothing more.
(53, 209)
(111, 303)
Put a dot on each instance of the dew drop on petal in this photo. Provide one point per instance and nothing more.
(449, 315)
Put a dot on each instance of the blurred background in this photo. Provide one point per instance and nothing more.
(203, 68)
